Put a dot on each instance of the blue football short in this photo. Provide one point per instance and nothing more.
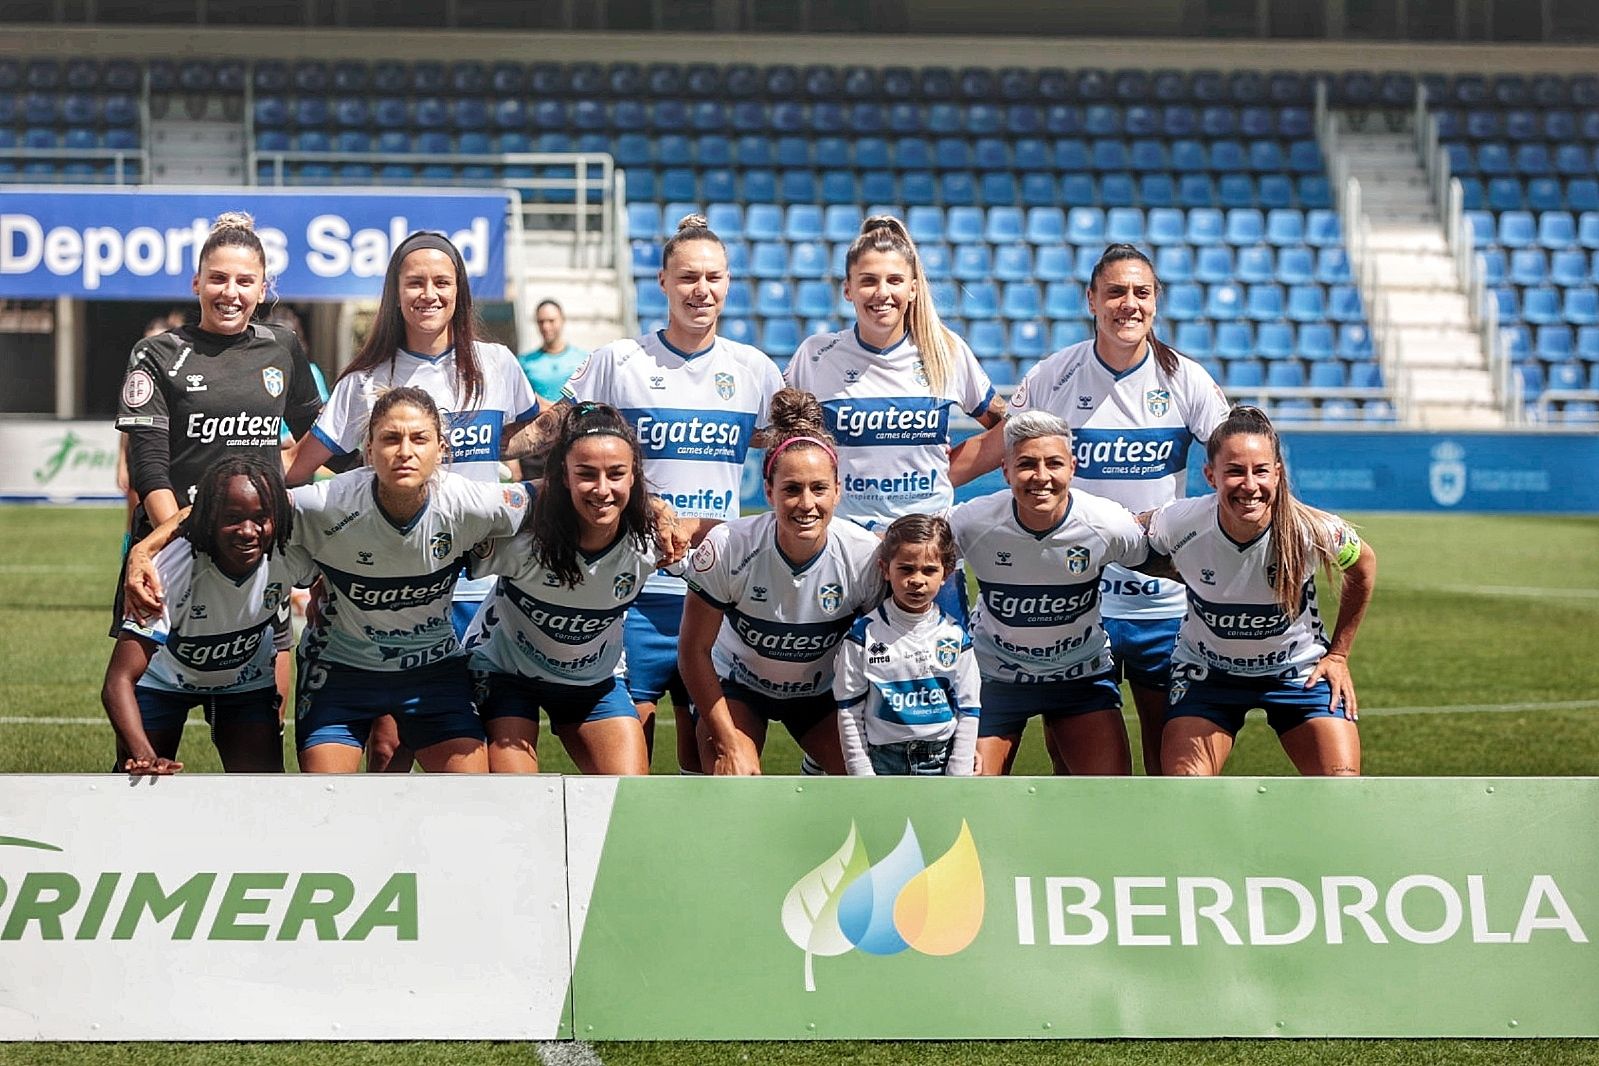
(430, 704)
(502, 695)
(162, 710)
(1142, 648)
(799, 715)
(1225, 699)
(1007, 705)
(649, 638)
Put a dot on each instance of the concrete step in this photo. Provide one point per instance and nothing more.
(1437, 349)
(1452, 415)
(1439, 386)
(1407, 237)
(1406, 270)
(1432, 310)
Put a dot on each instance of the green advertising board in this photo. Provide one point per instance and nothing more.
(787, 908)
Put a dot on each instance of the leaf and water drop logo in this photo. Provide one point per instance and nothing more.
(901, 902)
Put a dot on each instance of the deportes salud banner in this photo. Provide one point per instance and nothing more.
(143, 244)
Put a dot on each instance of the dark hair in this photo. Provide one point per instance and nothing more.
(689, 228)
(542, 304)
(1165, 355)
(265, 475)
(919, 529)
(885, 233)
(553, 520)
(1299, 533)
(796, 416)
(233, 229)
(387, 335)
(415, 397)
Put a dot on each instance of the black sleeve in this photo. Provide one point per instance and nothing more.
(149, 461)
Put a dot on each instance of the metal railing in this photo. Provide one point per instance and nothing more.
(119, 158)
(1348, 200)
(1459, 232)
(621, 255)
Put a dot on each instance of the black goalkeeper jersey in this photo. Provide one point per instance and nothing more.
(206, 394)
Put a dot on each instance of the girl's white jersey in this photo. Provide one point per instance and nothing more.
(1234, 623)
(535, 626)
(694, 413)
(893, 435)
(1037, 614)
(1130, 434)
(782, 623)
(216, 632)
(907, 676)
(388, 586)
(476, 434)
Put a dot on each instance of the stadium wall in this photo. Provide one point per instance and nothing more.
(43, 40)
(549, 908)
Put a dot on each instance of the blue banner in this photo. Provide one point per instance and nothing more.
(1504, 473)
(142, 244)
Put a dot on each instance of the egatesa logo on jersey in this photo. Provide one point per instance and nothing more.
(54, 904)
(900, 902)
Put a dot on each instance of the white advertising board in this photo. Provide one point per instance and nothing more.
(276, 908)
(60, 462)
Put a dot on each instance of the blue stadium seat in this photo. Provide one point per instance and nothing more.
(1085, 225)
(987, 339)
(1196, 340)
(1243, 374)
(1235, 340)
(1256, 265)
(1588, 229)
(1528, 266)
(1164, 225)
(1004, 225)
(1322, 229)
(1343, 304)
(1205, 226)
(964, 225)
(1224, 302)
(1274, 191)
(779, 337)
(1046, 226)
(917, 188)
(1567, 267)
(1545, 194)
(1124, 225)
(1306, 303)
(1582, 194)
(973, 262)
(802, 222)
(1174, 263)
(1555, 342)
(1087, 258)
(1028, 341)
(1066, 332)
(774, 298)
(1157, 190)
(1020, 300)
(1296, 264)
(1013, 262)
(1245, 226)
(1566, 377)
(1235, 191)
(808, 259)
(1285, 226)
(1274, 341)
(768, 259)
(1117, 190)
(1078, 189)
(926, 223)
(1314, 191)
(1265, 303)
(1054, 263)
(1183, 301)
(1354, 341)
(1581, 306)
(1557, 229)
(1315, 342)
(1214, 264)
(1062, 299)
(979, 299)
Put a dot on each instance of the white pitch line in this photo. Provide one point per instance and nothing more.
(564, 1053)
(662, 722)
(1510, 591)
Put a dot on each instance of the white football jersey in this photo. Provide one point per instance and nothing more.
(476, 433)
(1234, 623)
(907, 676)
(535, 626)
(216, 632)
(782, 623)
(1037, 613)
(694, 413)
(893, 435)
(1131, 433)
(388, 587)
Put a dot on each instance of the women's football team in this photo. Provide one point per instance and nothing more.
(451, 608)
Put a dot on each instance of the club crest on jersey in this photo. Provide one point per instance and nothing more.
(1179, 688)
(946, 651)
(830, 596)
(1271, 574)
(623, 585)
(137, 389)
(724, 386)
(440, 545)
(919, 373)
(1077, 560)
(1158, 401)
(272, 378)
(272, 596)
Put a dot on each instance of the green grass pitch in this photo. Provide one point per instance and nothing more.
(1478, 657)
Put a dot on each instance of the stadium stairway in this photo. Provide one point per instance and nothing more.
(1437, 353)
